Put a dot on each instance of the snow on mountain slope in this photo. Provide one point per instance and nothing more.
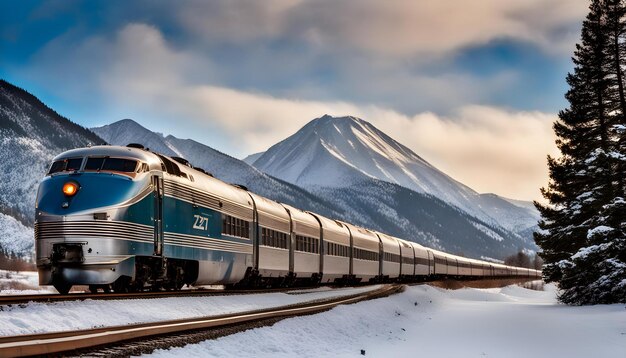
(15, 236)
(128, 131)
(31, 134)
(421, 218)
(222, 166)
(336, 152)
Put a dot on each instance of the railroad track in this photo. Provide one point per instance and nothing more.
(55, 297)
(58, 342)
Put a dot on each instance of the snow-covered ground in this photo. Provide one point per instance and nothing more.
(22, 283)
(430, 322)
(73, 315)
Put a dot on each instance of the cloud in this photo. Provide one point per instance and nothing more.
(411, 56)
(490, 149)
(143, 77)
(389, 28)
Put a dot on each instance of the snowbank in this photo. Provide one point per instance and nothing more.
(431, 322)
(72, 315)
(22, 283)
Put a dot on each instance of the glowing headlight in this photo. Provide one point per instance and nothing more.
(70, 188)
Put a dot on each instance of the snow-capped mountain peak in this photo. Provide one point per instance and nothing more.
(338, 152)
(349, 145)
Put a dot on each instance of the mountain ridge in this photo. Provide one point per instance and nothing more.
(219, 164)
(31, 134)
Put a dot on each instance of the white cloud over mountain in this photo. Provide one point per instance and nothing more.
(489, 148)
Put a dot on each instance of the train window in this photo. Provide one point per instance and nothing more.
(337, 250)
(141, 167)
(94, 163)
(57, 166)
(273, 238)
(307, 244)
(170, 166)
(111, 164)
(233, 226)
(119, 165)
(65, 165)
(73, 164)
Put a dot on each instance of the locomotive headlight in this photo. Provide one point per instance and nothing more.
(70, 188)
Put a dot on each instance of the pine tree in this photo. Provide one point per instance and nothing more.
(582, 228)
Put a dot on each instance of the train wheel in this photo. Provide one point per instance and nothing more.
(93, 288)
(63, 287)
(122, 285)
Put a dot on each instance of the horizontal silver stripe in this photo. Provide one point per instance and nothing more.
(80, 222)
(207, 242)
(96, 228)
(239, 251)
(206, 237)
(203, 239)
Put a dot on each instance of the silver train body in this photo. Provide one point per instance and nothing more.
(130, 219)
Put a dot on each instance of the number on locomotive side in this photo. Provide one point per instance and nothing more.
(201, 223)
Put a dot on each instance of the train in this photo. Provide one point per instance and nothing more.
(124, 218)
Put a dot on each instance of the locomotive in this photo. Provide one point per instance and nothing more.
(129, 219)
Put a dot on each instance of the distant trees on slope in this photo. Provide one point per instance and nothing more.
(520, 259)
(582, 230)
(13, 262)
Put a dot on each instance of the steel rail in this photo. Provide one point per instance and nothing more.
(57, 342)
(55, 297)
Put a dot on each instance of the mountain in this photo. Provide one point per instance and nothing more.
(31, 135)
(222, 166)
(368, 202)
(252, 158)
(332, 152)
(422, 218)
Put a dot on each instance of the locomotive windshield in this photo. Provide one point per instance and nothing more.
(111, 164)
(65, 165)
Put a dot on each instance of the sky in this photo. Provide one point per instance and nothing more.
(472, 86)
